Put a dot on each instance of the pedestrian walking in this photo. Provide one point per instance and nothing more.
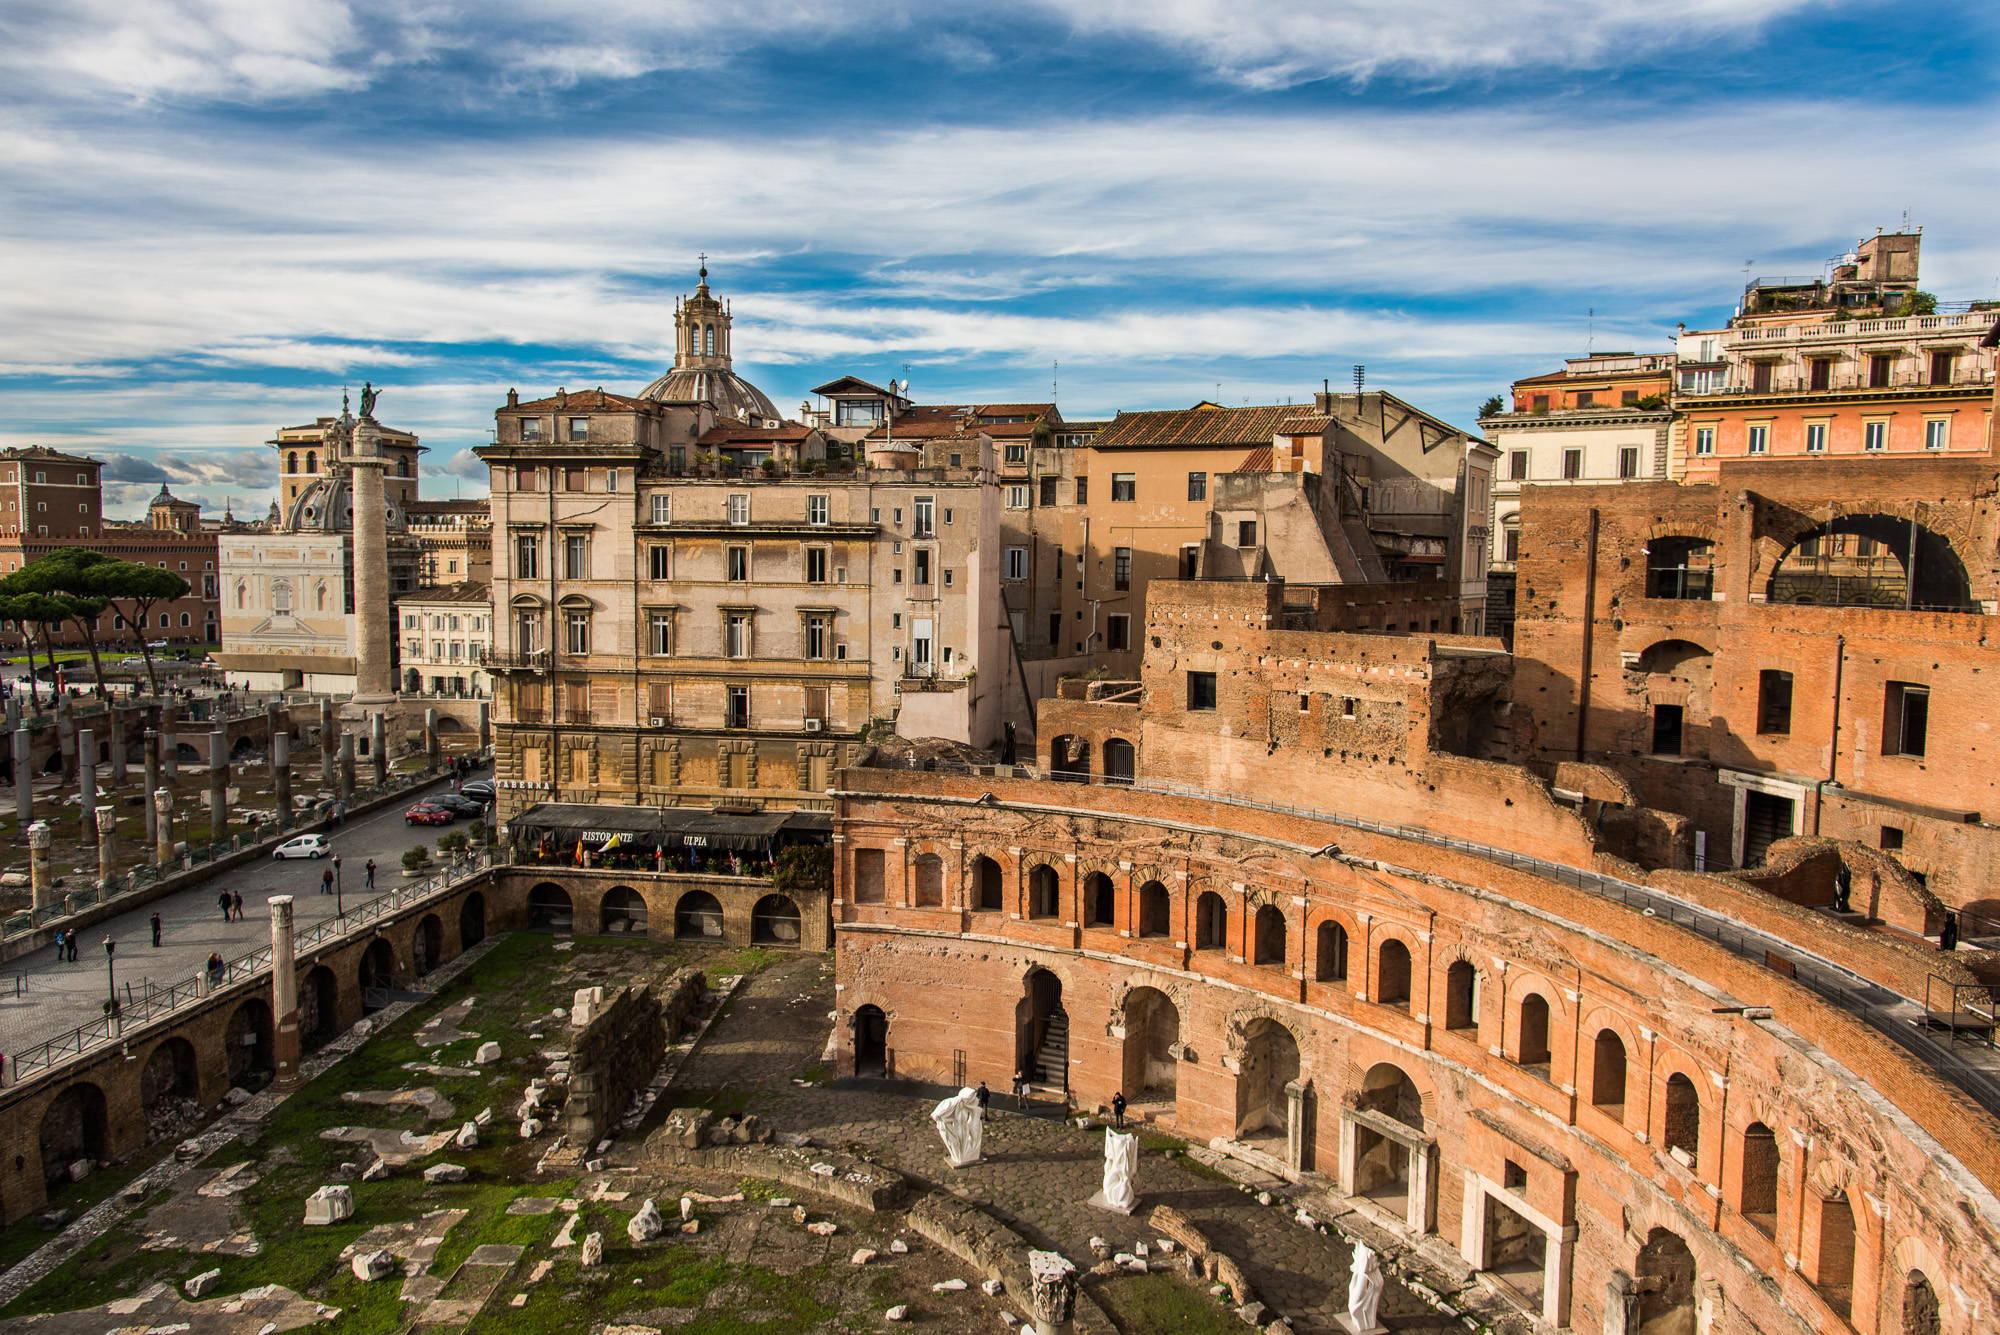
(985, 1099)
(62, 946)
(156, 931)
(326, 881)
(371, 873)
(1020, 1090)
(236, 899)
(223, 899)
(1118, 1109)
(72, 947)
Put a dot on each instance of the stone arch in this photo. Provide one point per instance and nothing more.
(1100, 900)
(550, 907)
(1268, 1060)
(775, 920)
(376, 973)
(622, 909)
(1463, 986)
(247, 1042)
(319, 1007)
(1069, 759)
(1609, 1073)
(1152, 1024)
(989, 885)
(1833, 1271)
(1267, 937)
(1332, 938)
(1680, 1116)
(1044, 891)
(169, 1084)
(1156, 909)
(1786, 574)
(427, 945)
(1531, 1031)
(1760, 1164)
(74, 1129)
(1041, 1028)
(1665, 1273)
(871, 1040)
(1909, 1294)
(1211, 922)
(1921, 1314)
(1680, 563)
(472, 921)
(698, 917)
(1393, 971)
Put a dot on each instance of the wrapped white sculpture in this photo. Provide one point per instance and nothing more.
(958, 1124)
(1121, 1165)
(1364, 1291)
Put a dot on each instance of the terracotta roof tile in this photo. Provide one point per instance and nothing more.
(1259, 460)
(582, 399)
(1196, 426)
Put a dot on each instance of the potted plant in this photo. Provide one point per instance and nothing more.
(770, 467)
(416, 862)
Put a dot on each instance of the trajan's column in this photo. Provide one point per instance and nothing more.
(373, 676)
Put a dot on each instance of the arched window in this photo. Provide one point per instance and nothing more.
(1099, 901)
(242, 596)
(402, 465)
(1330, 953)
(1211, 922)
(710, 340)
(1920, 1305)
(1607, 1075)
(1392, 974)
(1461, 997)
(1044, 893)
(1864, 560)
(312, 461)
(292, 462)
(1758, 1201)
(1535, 1033)
(1835, 1278)
(319, 598)
(1680, 568)
(1155, 910)
(1270, 941)
(986, 880)
(1681, 1128)
(1120, 761)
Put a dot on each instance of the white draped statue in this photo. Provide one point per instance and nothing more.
(1364, 1288)
(958, 1124)
(1121, 1166)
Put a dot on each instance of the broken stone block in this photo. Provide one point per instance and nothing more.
(487, 1054)
(949, 1286)
(1166, 1246)
(79, 1170)
(798, 1214)
(1100, 1248)
(825, 1228)
(375, 1172)
(900, 1312)
(1253, 1314)
(330, 1205)
(446, 1172)
(1009, 1320)
(53, 1220)
(467, 1137)
(899, 1247)
(484, 1119)
(371, 1266)
(1263, 1198)
(593, 1165)
(1136, 1265)
(187, 1151)
(567, 1238)
(237, 1096)
(530, 1128)
(691, 1226)
(992, 1288)
(687, 1207)
(862, 1257)
(645, 1225)
(780, 1203)
(593, 1249)
(203, 1284)
(1141, 1249)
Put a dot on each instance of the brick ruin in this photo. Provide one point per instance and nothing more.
(1322, 898)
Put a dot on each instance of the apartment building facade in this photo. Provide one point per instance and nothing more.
(446, 632)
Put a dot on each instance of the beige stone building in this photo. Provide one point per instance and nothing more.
(444, 634)
(288, 595)
(456, 539)
(694, 610)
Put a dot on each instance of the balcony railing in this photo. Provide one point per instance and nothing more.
(1841, 329)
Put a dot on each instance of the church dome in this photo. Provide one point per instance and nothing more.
(327, 506)
(702, 371)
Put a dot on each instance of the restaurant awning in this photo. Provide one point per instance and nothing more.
(670, 827)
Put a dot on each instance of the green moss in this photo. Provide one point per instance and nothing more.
(1149, 1304)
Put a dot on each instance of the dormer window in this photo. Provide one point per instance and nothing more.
(857, 412)
(579, 428)
(531, 428)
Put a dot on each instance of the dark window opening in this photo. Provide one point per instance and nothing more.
(1667, 730)
(1680, 568)
(1201, 691)
(1774, 701)
(1906, 719)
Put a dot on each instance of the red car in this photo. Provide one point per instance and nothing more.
(423, 813)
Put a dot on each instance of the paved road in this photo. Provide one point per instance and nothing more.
(56, 997)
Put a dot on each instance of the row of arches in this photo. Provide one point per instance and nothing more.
(696, 915)
(1070, 760)
(1857, 560)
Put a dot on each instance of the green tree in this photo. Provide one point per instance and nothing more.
(69, 576)
(1493, 406)
(140, 588)
(34, 609)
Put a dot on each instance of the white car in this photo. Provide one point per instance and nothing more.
(305, 846)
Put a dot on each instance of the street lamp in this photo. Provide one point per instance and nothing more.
(111, 975)
(338, 911)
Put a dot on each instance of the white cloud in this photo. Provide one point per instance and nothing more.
(288, 49)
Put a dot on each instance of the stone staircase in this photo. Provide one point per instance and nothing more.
(1052, 1058)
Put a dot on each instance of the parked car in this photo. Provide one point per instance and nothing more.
(131, 662)
(305, 846)
(464, 806)
(424, 813)
(479, 790)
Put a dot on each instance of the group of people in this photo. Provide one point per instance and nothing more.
(231, 904)
(1024, 1086)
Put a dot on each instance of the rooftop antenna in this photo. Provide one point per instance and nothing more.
(1055, 378)
(1360, 379)
(1590, 338)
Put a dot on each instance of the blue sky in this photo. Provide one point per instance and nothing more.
(217, 213)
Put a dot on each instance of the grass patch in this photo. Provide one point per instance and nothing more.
(721, 1102)
(25, 1238)
(1149, 1304)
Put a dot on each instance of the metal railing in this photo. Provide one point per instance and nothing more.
(1873, 1004)
(157, 1002)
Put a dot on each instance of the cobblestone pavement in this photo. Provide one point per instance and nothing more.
(1038, 1173)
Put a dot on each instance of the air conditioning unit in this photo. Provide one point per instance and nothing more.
(815, 725)
(657, 721)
